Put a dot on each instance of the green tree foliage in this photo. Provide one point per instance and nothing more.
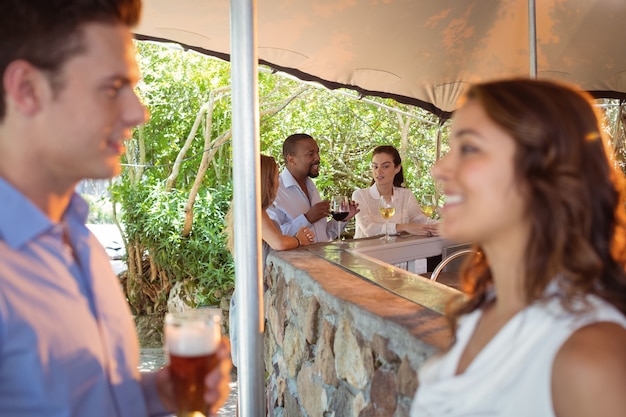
(177, 183)
(174, 87)
(176, 186)
(613, 113)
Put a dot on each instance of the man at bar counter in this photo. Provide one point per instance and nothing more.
(68, 346)
(298, 202)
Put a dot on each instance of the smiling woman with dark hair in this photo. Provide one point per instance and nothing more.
(388, 180)
(543, 332)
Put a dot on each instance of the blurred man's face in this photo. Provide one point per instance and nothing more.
(92, 114)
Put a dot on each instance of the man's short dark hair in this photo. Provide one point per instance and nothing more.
(291, 143)
(46, 33)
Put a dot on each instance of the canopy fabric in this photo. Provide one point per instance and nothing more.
(420, 52)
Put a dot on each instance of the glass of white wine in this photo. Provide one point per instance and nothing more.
(429, 206)
(387, 210)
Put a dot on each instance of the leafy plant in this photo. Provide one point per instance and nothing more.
(176, 186)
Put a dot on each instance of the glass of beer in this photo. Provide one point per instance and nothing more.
(191, 341)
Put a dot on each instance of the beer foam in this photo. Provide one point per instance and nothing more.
(192, 340)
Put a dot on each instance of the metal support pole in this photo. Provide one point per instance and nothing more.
(247, 210)
(437, 158)
(532, 38)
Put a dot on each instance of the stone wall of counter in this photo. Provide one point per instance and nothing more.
(337, 345)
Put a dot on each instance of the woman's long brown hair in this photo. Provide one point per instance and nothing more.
(575, 195)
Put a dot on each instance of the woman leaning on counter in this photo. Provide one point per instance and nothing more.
(387, 179)
(273, 238)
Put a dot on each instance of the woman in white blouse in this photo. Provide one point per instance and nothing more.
(541, 331)
(388, 178)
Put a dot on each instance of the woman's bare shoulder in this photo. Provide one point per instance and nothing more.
(589, 372)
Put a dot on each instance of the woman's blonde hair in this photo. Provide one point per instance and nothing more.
(269, 169)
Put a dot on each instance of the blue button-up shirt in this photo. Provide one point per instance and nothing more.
(290, 205)
(68, 345)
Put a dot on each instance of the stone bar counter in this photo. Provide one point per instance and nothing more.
(339, 344)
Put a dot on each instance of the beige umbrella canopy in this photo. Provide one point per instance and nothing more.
(421, 52)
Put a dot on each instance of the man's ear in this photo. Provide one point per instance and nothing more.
(25, 86)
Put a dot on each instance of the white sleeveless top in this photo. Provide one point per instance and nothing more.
(511, 376)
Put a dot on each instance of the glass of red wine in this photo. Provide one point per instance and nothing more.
(339, 210)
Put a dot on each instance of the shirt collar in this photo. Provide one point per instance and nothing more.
(374, 192)
(21, 221)
(288, 179)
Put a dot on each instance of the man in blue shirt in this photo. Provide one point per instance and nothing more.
(68, 346)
